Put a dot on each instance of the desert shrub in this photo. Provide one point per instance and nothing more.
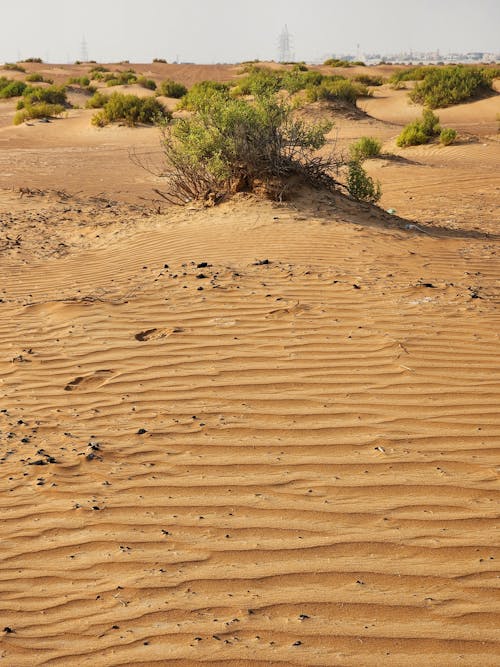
(337, 90)
(50, 95)
(300, 67)
(83, 81)
(444, 86)
(32, 60)
(421, 131)
(120, 78)
(365, 147)
(200, 95)
(131, 110)
(146, 83)
(361, 186)
(159, 60)
(11, 88)
(412, 74)
(97, 101)
(231, 144)
(170, 88)
(14, 67)
(447, 136)
(369, 79)
(336, 62)
(35, 77)
(39, 110)
(300, 80)
(259, 81)
(97, 69)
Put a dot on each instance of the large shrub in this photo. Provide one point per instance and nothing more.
(444, 86)
(230, 144)
(200, 95)
(11, 88)
(337, 90)
(421, 131)
(50, 95)
(131, 110)
(97, 101)
(38, 110)
(170, 88)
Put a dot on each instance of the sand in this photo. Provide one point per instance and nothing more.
(258, 434)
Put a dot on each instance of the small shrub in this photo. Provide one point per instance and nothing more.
(337, 90)
(97, 101)
(421, 131)
(361, 186)
(11, 88)
(146, 83)
(170, 88)
(364, 148)
(120, 78)
(14, 67)
(369, 79)
(35, 77)
(200, 95)
(32, 60)
(300, 80)
(83, 81)
(336, 62)
(444, 86)
(447, 136)
(131, 110)
(259, 81)
(159, 60)
(98, 68)
(40, 110)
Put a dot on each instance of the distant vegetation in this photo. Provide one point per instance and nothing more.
(131, 110)
(120, 78)
(369, 79)
(35, 77)
(170, 88)
(439, 87)
(83, 81)
(335, 62)
(32, 60)
(14, 67)
(146, 83)
(424, 130)
(159, 60)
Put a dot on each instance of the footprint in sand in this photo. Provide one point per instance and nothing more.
(92, 381)
(154, 334)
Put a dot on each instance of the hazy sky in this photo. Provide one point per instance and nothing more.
(208, 31)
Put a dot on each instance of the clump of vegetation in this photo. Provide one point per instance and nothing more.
(444, 86)
(361, 186)
(369, 79)
(170, 88)
(159, 60)
(337, 90)
(97, 101)
(82, 81)
(364, 148)
(199, 96)
(447, 136)
(421, 131)
(124, 78)
(297, 80)
(259, 81)
(131, 110)
(32, 60)
(146, 83)
(35, 77)
(229, 144)
(9, 88)
(336, 62)
(50, 95)
(14, 67)
(39, 110)
(412, 74)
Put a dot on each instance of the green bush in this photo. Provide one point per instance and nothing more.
(336, 62)
(230, 144)
(97, 101)
(337, 90)
(14, 67)
(170, 88)
(365, 147)
(131, 110)
(421, 131)
(146, 83)
(200, 95)
(361, 186)
(259, 81)
(39, 110)
(369, 79)
(32, 60)
(50, 95)
(35, 77)
(300, 80)
(120, 78)
(159, 60)
(447, 136)
(444, 86)
(11, 88)
(83, 81)
(412, 74)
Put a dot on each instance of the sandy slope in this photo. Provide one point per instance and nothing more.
(259, 434)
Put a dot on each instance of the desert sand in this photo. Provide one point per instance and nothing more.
(257, 434)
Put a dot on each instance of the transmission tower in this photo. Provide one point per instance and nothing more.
(84, 51)
(285, 46)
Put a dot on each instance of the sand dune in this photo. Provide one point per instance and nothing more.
(259, 434)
